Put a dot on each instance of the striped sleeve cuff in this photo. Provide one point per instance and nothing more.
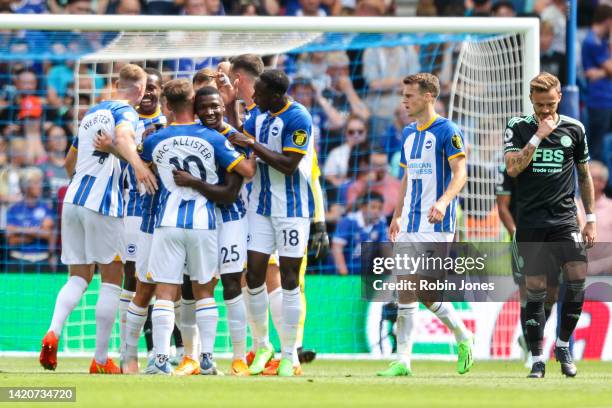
(235, 163)
(293, 149)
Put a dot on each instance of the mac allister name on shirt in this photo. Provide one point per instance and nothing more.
(190, 142)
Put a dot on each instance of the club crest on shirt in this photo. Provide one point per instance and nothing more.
(456, 142)
(140, 148)
(566, 141)
(300, 137)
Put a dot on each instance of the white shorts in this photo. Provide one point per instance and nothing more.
(418, 243)
(89, 237)
(172, 248)
(287, 235)
(132, 237)
(232, 245)
(142, 259)
(425, 237)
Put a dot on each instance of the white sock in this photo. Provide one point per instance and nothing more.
(249, 316)
(124, 301)
(538, 359)
(177, 313)
(447, 314)
(406, 313)
(207, 315)
(67, 299)
(162, 319)
(292, 309)
(135, 320)
(189, 329)
(561, 343)
(258, 306)
(275, 298)
(236, 320)
(106, 312)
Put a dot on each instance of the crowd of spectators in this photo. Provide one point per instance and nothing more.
(352, 96)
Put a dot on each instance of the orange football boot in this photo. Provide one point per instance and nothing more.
(109, 368)
(272, 368)
(239, 368)
(250, 356)
(48, 352)
(187, 367)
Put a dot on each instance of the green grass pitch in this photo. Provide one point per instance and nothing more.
(325, 383)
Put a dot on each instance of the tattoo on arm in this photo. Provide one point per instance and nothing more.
(585, 184)
(516, 162)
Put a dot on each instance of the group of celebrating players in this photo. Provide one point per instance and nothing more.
(231, 196)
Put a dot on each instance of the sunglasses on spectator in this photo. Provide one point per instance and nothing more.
(355, 131)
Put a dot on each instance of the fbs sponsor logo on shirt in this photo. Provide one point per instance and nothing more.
(548, 160)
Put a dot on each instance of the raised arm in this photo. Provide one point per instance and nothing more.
(517, 161)
(125, 146)
(285, 162)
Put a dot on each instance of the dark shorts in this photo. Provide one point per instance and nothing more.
(545, 250)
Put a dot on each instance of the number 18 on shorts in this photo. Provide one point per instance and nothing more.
(287, 235)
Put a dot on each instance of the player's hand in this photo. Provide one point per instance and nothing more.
(589, 234)
(436, 212)
(182, 178)
(226, 89)
(546, 127)
(319, 241)
(394, 228)
(240, 139)
(145, 176)
(103, 141)
(224, 66)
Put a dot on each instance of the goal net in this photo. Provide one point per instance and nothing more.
(348, 73)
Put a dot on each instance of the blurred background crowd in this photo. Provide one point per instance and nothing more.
(354, 98)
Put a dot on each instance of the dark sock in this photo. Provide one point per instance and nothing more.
(547, 310)
(535, 320)
(148, 330)
(176, 334)
(524, 319)
(571, 308)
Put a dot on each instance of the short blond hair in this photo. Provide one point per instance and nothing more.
(130, 75)
(544, 82)
(427, 83)
(178, 94)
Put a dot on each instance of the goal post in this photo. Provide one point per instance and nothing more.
(527, 27)
(486, 63)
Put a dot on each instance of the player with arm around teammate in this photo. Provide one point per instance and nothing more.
(186, 224)
(279, 211)
(92, 216)
(231, 224)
